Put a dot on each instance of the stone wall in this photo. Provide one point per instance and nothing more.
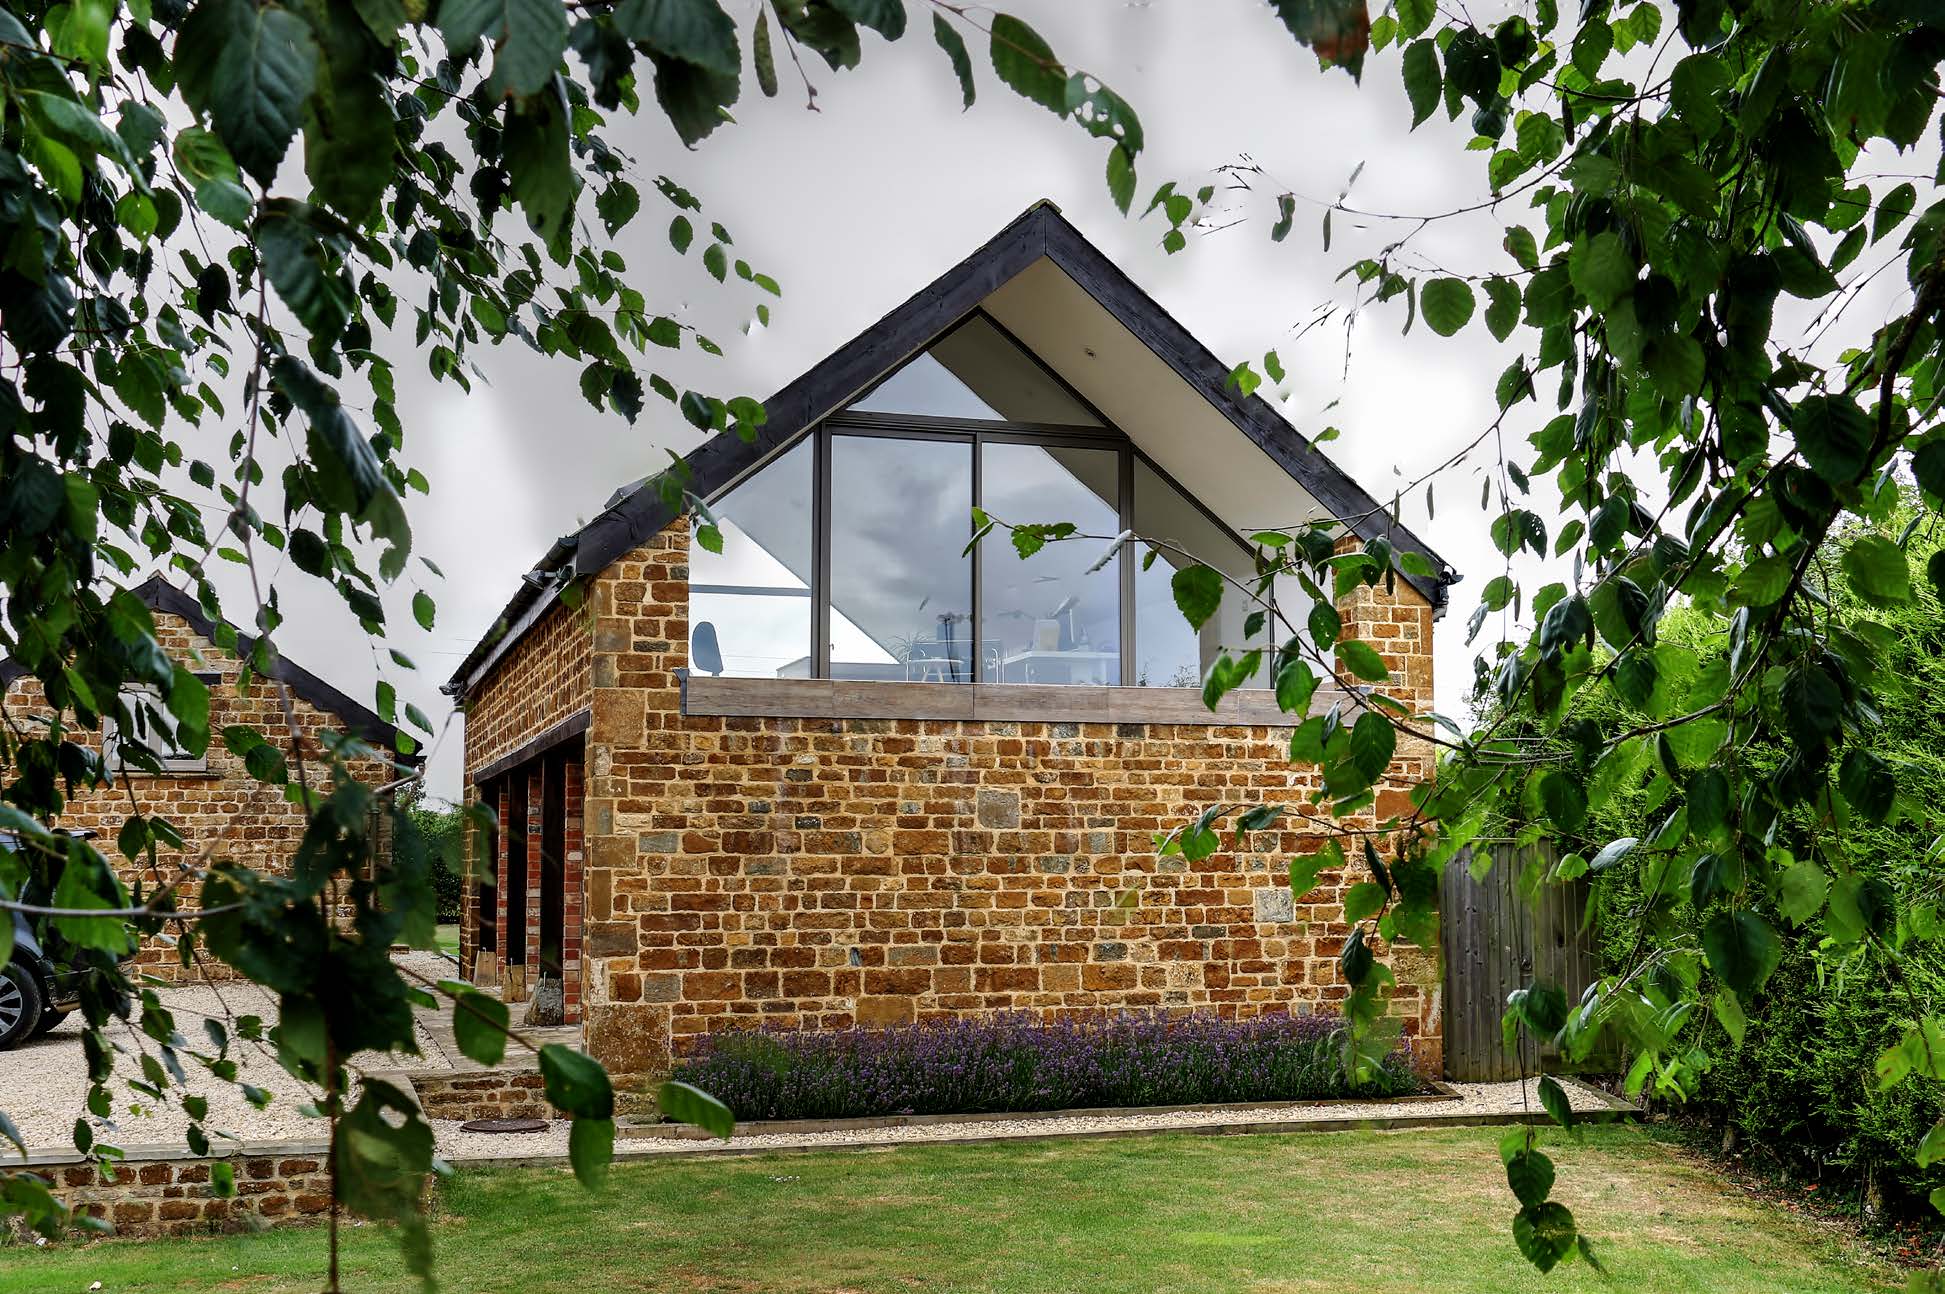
(797, 872)
(173, 1196)
(221, 814)
(482, 1094)
(542, 680)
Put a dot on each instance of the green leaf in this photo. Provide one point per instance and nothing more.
(1553, 1098)
(1423, 84)
(1765, 580)
(1502, 308)
(886, 17)
(1676, 364)
(1198, 592)
(1833, 435)
(1742, 951)
(1928, 465)
(1564, 800)
(576, 1083)
(1612, 853)
(349, 142)
(300, 268)
(1868, 783)
(954, 46)
(1602, 270)
(1892, 210)
(1545, 1234)
(1121, 178)
(423, 609)
(1026, 63)
(529, 37)
(1932, 1148)
(1362, 660)
(1447, 305)
(1296, 684)
(261, 82)
(1362, 901)
(540, 172)
(694, 31)
(591, 1149)
(1802, 888)
(479, 1024)
(1325, 624)
(1373, 741)
(1729, 1014)
(693, 1106)
(1530, 1175)
(1877, 571)
(1708, 802)
(695, 99)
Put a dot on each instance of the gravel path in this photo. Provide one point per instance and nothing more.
(44, 1083)
(1476, 1102)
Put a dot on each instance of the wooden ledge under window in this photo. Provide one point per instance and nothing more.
(818, 698)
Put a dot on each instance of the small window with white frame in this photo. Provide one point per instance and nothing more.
(153, 732)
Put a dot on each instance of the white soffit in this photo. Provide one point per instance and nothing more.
(1168, 419)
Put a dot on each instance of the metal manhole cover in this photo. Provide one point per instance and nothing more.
(504, 1125)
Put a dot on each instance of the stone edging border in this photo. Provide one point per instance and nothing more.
(706, 1145)
(1612, 1107)
(1441, 1092)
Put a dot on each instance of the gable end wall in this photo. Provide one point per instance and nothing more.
(819, 873)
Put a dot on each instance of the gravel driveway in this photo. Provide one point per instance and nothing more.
(44, 1083)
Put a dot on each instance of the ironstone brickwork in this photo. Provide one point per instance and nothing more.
(174, 1196)
(823, 873)
(222, 813)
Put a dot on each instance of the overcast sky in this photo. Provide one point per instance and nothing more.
(855, 207)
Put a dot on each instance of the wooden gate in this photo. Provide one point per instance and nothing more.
(1496, 941)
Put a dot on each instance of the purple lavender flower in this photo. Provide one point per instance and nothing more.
(1017, 1062)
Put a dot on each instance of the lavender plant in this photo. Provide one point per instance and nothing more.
(1017, 1063)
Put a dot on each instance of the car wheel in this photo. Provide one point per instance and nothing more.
(20, 1004)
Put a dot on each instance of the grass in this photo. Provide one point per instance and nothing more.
(1402, 1213)
(446, 939)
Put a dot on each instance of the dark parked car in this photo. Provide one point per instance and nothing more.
(38, 985)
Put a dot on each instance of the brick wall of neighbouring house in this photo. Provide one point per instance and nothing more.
(824, 873)
(223, 813)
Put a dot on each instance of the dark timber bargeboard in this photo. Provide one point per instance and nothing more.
(1497, 941)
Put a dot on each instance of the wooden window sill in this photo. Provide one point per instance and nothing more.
(817, 698)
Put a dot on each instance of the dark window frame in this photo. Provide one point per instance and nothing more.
(977, 433)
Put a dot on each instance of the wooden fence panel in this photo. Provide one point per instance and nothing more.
(1497, 941)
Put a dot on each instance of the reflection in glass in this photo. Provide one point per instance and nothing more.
(1046, 620)
(1168, 653)
(750, 605)
(901, 583)
(974, 371)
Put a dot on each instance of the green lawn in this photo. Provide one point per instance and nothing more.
(1409, 1211)
(446, 939)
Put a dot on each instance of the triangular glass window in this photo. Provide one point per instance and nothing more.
(976, 371)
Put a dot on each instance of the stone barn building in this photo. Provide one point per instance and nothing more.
(214, 803)
(845, 771)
